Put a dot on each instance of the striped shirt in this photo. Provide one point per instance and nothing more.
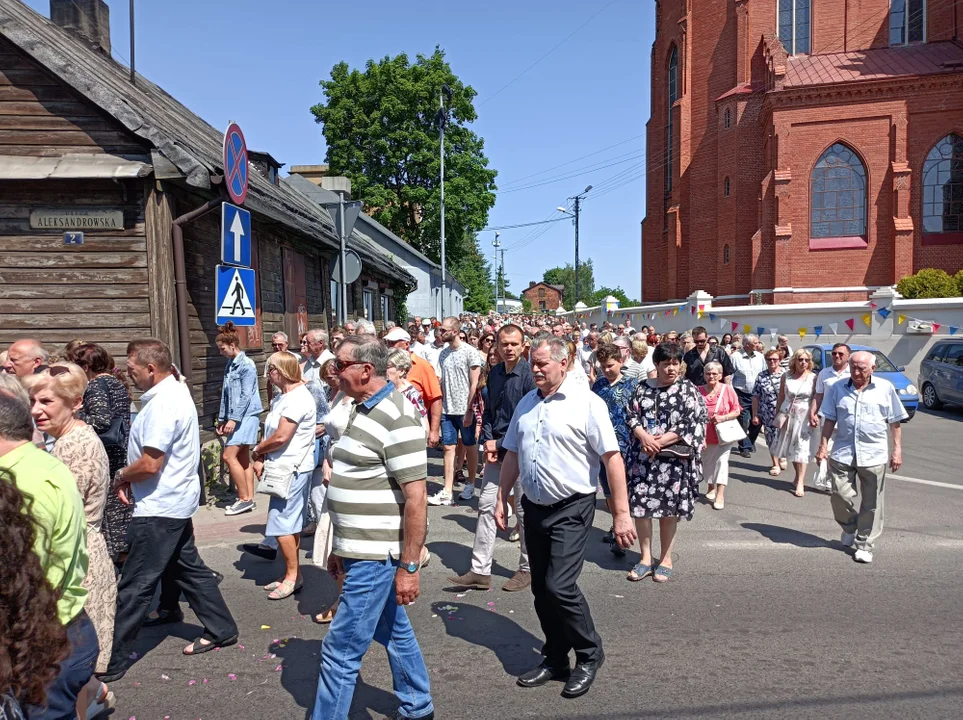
(383, 447)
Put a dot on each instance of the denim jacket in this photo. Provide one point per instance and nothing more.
(240, 397)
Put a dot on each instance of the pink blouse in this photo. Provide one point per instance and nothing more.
(724, 403)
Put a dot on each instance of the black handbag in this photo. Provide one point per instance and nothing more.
(113, 436)
(677, 451)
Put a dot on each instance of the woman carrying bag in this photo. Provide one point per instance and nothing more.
(284, 461)
(722, 432)
(795, 427)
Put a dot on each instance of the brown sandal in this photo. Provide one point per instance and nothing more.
(325, 618)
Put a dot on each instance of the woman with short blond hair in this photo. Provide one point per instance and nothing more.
(795, 428)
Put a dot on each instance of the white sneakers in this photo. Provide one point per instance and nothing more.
(848, 539)
(440, 498)
(863, 556)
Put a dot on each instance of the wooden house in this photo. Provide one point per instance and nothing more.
(84, 148)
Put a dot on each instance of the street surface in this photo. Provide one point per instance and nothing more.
(766, 616)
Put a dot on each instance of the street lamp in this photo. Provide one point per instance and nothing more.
(497, 245)
(578, 199)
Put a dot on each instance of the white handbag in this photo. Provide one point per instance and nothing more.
(730, 431)
(276, 479)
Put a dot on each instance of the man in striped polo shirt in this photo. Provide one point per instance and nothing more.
(377, 497)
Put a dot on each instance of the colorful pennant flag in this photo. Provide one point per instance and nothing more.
(818, 329)
(884, 313)
(699, 314)
(760, 331)
(692, 310)
(802, 333)
(712, 317)
(900, 319)
(675, 311)
(850, 324)
(873, 305)
(953, 329)
(772, 333)
(833, 327)
(868, 319)
(936, 327)
(734, 326)
(723, 322)
(746, 329)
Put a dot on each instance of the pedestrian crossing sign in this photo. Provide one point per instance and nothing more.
(235, 295)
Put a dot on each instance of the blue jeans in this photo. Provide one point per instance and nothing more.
(74, 673)
(368, 611)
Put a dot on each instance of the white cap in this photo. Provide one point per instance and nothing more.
(396, 334)
(426, 321)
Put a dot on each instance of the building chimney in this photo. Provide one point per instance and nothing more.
(87, 20)
(531, 284)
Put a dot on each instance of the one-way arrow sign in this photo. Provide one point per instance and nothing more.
(235, 235)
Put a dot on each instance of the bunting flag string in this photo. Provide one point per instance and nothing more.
(868, 319)
(851, 323)
(833, 327)
(884, 313)
(802, 333)
(818, 329)
(900, 319)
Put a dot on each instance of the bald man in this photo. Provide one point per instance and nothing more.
(25, 357)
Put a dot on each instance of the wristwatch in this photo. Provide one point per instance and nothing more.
(411, 567)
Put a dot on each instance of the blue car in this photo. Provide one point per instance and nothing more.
(908, 393)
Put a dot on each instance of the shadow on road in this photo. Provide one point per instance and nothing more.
(516, 649)
(788, 536)
(949, 412)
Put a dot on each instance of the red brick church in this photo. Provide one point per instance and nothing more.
(802, 150)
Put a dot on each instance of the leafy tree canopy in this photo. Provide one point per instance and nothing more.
(380, 126)
(566, 276)
(931, 283)
(474, 273)
(617, 292)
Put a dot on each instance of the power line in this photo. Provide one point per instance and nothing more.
(566, 39)
(570, 176)
(93, 24)
(556, 167)
(521, 225)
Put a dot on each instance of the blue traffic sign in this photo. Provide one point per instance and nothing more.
(235, 296)
(235, 235)
(235, 163)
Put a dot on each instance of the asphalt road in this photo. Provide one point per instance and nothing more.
(766, 617)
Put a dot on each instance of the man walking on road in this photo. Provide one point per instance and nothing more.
(162, 459)
(508, 383)
(460, 370)
(747, 364)
(555, 443)
(701, 355)
(859, 410)
(376, 497)
(827, 377)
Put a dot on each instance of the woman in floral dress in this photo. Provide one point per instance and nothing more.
(764, 398)
(666, 413)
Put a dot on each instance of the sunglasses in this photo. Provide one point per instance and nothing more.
(342, 365)
(277, 345)
(839, 354)
(272, 368)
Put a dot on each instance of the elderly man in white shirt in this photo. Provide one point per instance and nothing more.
(163, 455)
(859, 410)
(747, 364)
(559, 435)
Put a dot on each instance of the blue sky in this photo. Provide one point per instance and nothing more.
(234, 61)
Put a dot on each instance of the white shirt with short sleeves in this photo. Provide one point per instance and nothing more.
(828, 377)
(560, 441)
(862, 419)
(167, 422)
(297, 406)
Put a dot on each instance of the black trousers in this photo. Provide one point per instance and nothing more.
(164, 547)
(556, 537)
(745, 419)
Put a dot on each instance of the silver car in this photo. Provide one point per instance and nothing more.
(941, 374)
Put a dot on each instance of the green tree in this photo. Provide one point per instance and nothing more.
(566, 276)
(959, 282)
(526, 305)
(617, 292)
(474, 272)
(928, 283)
(380, 126)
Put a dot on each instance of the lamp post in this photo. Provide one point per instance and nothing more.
(578, 201)
(497, 244)
(442, 119)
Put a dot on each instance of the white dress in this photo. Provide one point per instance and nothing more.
(795, 436)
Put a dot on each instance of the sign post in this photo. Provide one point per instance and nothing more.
(236, 299)
(235, 287)
(235, 163)
(235, 235)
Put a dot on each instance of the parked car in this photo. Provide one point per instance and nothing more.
(941, 374)
(885, 368)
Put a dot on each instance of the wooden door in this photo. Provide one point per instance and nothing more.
(295, 296)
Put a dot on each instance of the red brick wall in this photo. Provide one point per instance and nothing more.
(885, 128)
(552, 297)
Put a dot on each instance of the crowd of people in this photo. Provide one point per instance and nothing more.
(544, 412)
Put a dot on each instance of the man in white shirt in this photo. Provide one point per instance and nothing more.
(279, 343)
(859, 410)
(586, 354)
(316, 353)
(747, 364)
(163, 454)
(827, 377)
(433, 351)
(557, 438)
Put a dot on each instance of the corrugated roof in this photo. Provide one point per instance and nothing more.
(879, 64)
(147, 111)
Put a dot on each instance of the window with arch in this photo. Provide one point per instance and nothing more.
(943, 191)
(725, 187)
(725, 255)
(727, 119)
(671, 96)
(837, 212)
(907, 22)
(794, 26)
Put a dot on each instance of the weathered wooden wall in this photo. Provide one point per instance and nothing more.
(55, 293)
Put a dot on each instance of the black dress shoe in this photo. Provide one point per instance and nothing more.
(165, 617)
(260, 551)
(109, 677)
(581, 678)
(541, 675)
